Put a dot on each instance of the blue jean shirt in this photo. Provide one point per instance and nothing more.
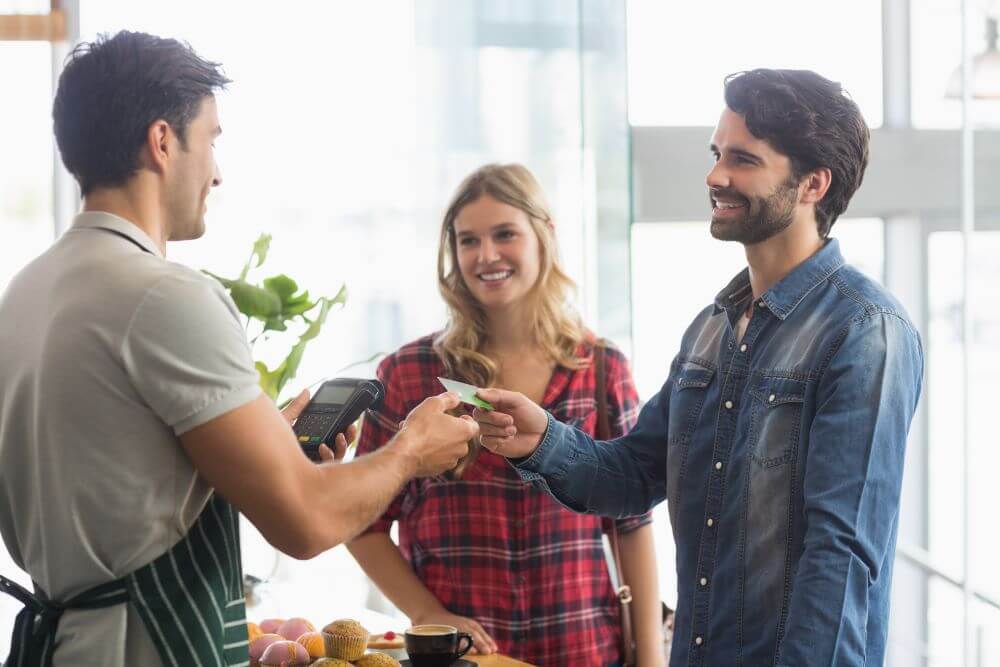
(781, 459)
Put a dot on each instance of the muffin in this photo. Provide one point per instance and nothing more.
(331, 662)
(376, 660)
(348, 639)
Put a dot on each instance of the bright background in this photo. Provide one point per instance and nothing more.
(349, 124)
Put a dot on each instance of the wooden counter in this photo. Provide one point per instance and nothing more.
(495, 661)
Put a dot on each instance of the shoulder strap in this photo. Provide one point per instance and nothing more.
(603, 432)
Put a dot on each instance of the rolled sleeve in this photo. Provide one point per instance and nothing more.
(186, 353)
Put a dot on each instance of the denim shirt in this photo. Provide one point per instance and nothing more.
(781, 459)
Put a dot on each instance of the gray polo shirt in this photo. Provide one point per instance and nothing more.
(108, 353)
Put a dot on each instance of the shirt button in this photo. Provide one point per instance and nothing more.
(710, 523)
(729, 405)
(743, 347)
(760, 304)
(718, 465)
(703, 581)
(698, 640)
(770, 399)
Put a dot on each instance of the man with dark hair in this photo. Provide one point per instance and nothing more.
(778, 437)
(132, 428)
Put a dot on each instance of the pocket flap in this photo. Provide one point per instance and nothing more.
(779, 391)
(694, 375)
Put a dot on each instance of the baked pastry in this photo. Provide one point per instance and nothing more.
(347, 639)
(376, 660)
(285, 654)
(331, 662)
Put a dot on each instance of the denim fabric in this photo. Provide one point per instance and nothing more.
(781, 459)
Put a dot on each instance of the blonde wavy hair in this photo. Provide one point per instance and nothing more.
(555, 326)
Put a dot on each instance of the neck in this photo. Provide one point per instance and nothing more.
(135, 203)
(508, 329)
(771, 260)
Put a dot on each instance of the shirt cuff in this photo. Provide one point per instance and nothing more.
(532, 468)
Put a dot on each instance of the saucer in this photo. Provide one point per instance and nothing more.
(458, 663)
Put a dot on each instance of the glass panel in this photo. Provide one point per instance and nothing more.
(943, 349)
(680, 53)
(944, 624)
(25, 201)
(26, 169)
(936, 58)
(344, 138)
(984, 546)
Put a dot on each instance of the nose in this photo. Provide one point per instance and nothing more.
(488, 252)
(717, 176)
(217, 175)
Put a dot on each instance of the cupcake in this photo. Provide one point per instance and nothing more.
(348, 639)
(376, 660)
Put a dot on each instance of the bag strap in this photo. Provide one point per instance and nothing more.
(604, 433)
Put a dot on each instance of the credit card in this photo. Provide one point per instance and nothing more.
(466, 392)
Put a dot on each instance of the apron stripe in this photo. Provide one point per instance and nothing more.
(204, 582)
(155, 631)
(190, 602)
(196, 611)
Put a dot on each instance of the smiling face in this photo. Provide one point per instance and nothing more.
(752, 190)
(498, 252)
(194, 173)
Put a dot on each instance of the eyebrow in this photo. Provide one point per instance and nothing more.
(738, 151)
(498, 227)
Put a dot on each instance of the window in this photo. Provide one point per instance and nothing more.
(680, 54)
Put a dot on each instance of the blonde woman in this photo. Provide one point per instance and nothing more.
(480, 549)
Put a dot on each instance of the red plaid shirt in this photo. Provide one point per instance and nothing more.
(492, 548)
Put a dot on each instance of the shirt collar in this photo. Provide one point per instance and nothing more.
(113, 223)
(789, 292)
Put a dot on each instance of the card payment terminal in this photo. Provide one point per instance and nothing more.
(337, 404)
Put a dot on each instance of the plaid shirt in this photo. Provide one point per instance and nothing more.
(493, 548)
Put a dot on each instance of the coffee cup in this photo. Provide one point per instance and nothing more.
(436, 645)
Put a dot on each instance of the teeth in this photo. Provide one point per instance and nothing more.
(725, 206)
(500, 275)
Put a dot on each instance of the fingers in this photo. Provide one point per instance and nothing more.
(449, 400)
(295, 408)
(351, 435)
(492, 417)
(340, 446)
(325, 453)
(481, 640)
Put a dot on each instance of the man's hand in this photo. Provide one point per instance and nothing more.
(295, 408)
(515, 428)
(436, 440)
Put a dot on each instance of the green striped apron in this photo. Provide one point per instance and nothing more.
(190, 599)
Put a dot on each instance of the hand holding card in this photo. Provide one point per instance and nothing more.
(466, 393)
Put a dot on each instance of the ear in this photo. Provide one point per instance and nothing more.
(815, 184)
(160, 146)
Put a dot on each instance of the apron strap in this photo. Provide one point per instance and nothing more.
(32, 642)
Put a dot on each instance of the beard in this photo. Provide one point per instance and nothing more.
(763, 217)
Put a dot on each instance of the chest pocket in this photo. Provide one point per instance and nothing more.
(687, 399)
(777, 420)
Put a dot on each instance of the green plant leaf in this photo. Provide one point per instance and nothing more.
(283, 286)
(226, 282)
(270, 381)
(259, 253)
(255, 301)
(275, 323)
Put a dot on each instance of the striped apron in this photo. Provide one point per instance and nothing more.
(190, 599)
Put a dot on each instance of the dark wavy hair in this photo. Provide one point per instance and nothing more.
(110, 92)
(811, 120)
